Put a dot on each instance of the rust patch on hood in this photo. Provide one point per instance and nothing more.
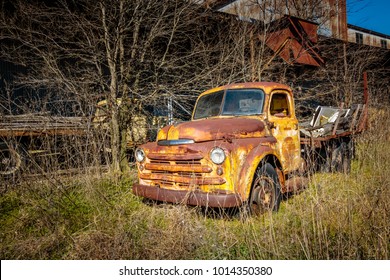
(216, 129)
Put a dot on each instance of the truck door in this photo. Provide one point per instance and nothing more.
(285, 129)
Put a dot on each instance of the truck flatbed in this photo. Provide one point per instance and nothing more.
(337, 123)
(37, 125)
(21, 134)
(329, 123)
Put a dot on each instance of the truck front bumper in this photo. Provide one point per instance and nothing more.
(195, 198)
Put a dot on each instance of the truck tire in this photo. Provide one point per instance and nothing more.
(265, 194)
(324, 160)
(341, 159)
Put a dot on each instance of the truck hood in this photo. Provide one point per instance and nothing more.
(214, 129)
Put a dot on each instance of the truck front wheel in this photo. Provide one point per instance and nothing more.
(265, 194)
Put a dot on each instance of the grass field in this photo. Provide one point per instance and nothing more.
(93, 217)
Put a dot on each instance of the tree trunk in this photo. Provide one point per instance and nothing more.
(112, 54)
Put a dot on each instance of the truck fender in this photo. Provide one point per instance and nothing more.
(249, 168)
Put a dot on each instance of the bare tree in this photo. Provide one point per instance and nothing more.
(155, 50)
(120, 49)
(133, 50)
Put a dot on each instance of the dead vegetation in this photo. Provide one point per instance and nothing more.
(85, 217)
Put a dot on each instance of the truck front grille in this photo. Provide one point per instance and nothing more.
(179, 171)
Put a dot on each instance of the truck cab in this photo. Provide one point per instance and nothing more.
(237, 150)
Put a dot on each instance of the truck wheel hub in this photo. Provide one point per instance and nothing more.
(263, 197)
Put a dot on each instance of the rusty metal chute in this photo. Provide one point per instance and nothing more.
(294, 39)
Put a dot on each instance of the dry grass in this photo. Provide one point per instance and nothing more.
(337, 217)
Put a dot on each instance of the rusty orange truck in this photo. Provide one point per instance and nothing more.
(244, 147)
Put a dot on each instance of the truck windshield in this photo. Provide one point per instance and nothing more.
(234, 102)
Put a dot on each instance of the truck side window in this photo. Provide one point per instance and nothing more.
(279, 104)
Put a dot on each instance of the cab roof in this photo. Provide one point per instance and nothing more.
(266, 86)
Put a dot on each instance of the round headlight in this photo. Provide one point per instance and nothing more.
(139, 155)
(217, 155)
